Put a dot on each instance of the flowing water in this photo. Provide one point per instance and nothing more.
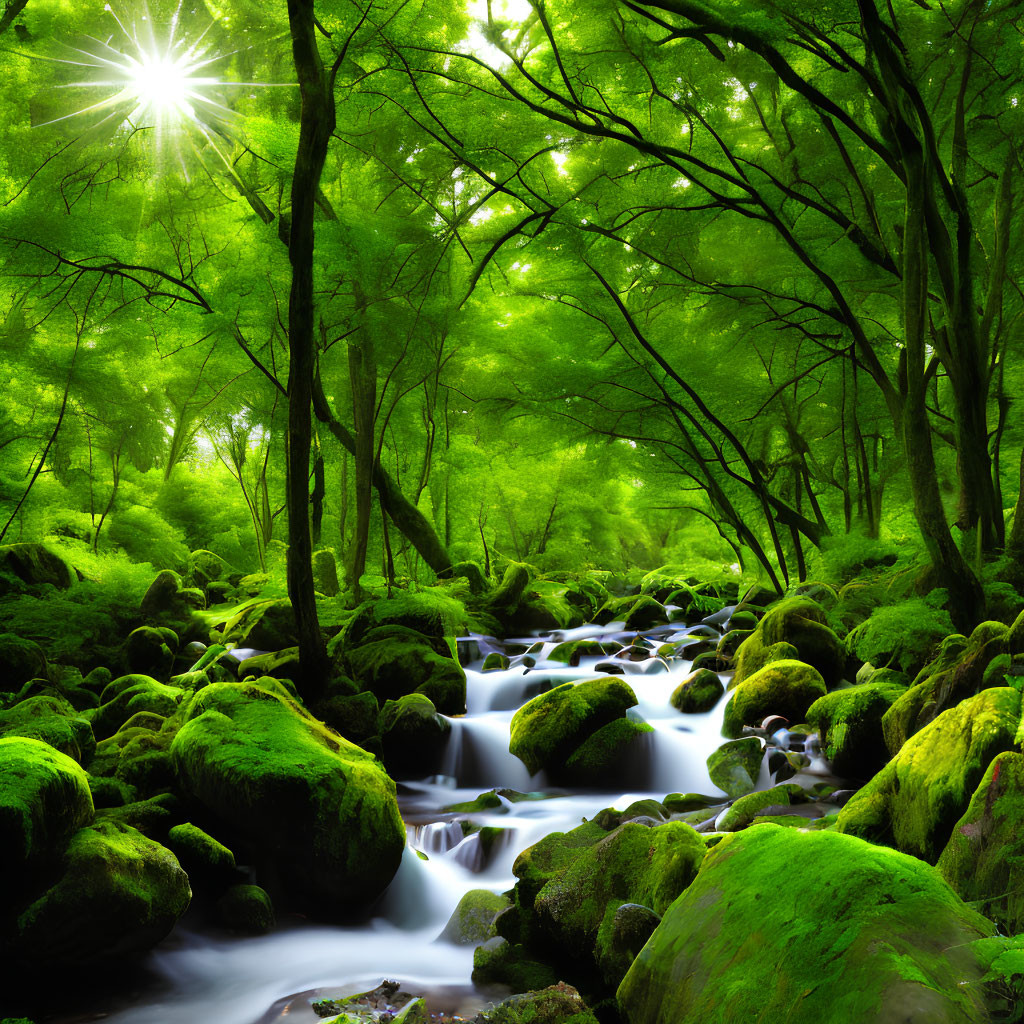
(275, 977)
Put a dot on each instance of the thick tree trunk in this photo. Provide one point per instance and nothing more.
(315, 127)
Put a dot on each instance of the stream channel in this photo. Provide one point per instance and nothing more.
(230, 980)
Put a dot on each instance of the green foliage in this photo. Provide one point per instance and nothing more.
(904, 635)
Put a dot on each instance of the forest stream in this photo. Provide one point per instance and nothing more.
(278, 976)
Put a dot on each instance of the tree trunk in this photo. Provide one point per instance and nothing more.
(362, 371)
(317, 119)
(317, 497)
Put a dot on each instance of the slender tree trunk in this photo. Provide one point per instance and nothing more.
(362, 373)
(317, 120)
(317, 497)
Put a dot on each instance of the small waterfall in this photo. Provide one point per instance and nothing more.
(477, 754)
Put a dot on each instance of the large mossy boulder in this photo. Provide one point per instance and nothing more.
(292, 792)
(787, 688)
(984, 858)
(810, 926)
(35, 565)
(126, 696)
(44, 800)
(54, 721)
(150, 650)
(611, 754)
(548, 729)
(956, 672)
(914, 802)
(266, 625)
(634, 863)
(735, 766)
(472, 921)
(118, 893)
(392, 661)
(428, 612)
(20, 661)
(168, 602)
(413, 734)
(801, 623)
(849, 723)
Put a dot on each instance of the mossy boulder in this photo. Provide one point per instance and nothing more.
(700, 691)
(644, 613)
(325, 573)
(782, 924)
(393, 667)
(295, 793)
(957, 671)
(20, 661)
(356, 716)
(198, 852)
(150, 650)
(413, 734)
(472, 921)
(35, 566)
(849, 723)
(433, 614)
(503, 601)
(801, 623)
(44, 800)
(735, 766)
(168, 602)
(506, 963)
(127, 696)
(745, 809)
(54, 721)
(634, 863)
(984, 858)
(787, 688)
(556, 1004)
(118, 893)
(550, 856)
(903, 636)
(204, 567)
(547, 729)
(279, 664)
(914, 802)
(607, 754)
(246, 908)
(266, 625)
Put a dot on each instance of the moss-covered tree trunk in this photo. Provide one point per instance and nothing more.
(315, 128)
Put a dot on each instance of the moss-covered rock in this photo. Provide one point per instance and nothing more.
(266, 625)
(154, 816)
(246, 908)
(644, 613)
(550, 856)
(958, 671)
(297, 794)
(700, 691)
(325, 573)
(607, 754)
(150, 650)
(118, 893)
(204, 567)
(472, 922)
(168, 602)
(547, 729)
(355, 716)
(393, 667)
(503, 601)
(850, 725)
(429, 612)
(44, 800)
(54, 721)
(198, 852)
(735, 766)
(557, 1004)
(20, 661)
(499, 961)
(916, 799)
(788, 925)
(802, 623)
(745, 809)
(35, 566)
(413, 734)
(786, 688)
(127, 696)
(903, 636)
(632, 864)
(984, 858)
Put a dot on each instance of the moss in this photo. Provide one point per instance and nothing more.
(432, 612)
(680, 803)
(786, 688)
(958, 671)
(855, 933)
(118, 893)
(632, 864)
(644, 613)
(801, 623)
(734, 767)
(472, 921)
(246, 908)
(325, 573)
(20, 661)
(126, 696)
(151, 649)
(495, 662)
(54, 721)
(391, 668)
(850, 725)
(550, 856)
(605, 754)
(168, 603)
(295, 791)
(698, 692)
(546, 730)
(557, 1004)
(984, 858)
(902, 636)
(282, 664)
(504, 600)
(267, 625)
(153, 816)
(498, 960)
(44, 800)
(413, 734)
(198, 851)
(744, 810)
(915, 800)
(36, 565)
